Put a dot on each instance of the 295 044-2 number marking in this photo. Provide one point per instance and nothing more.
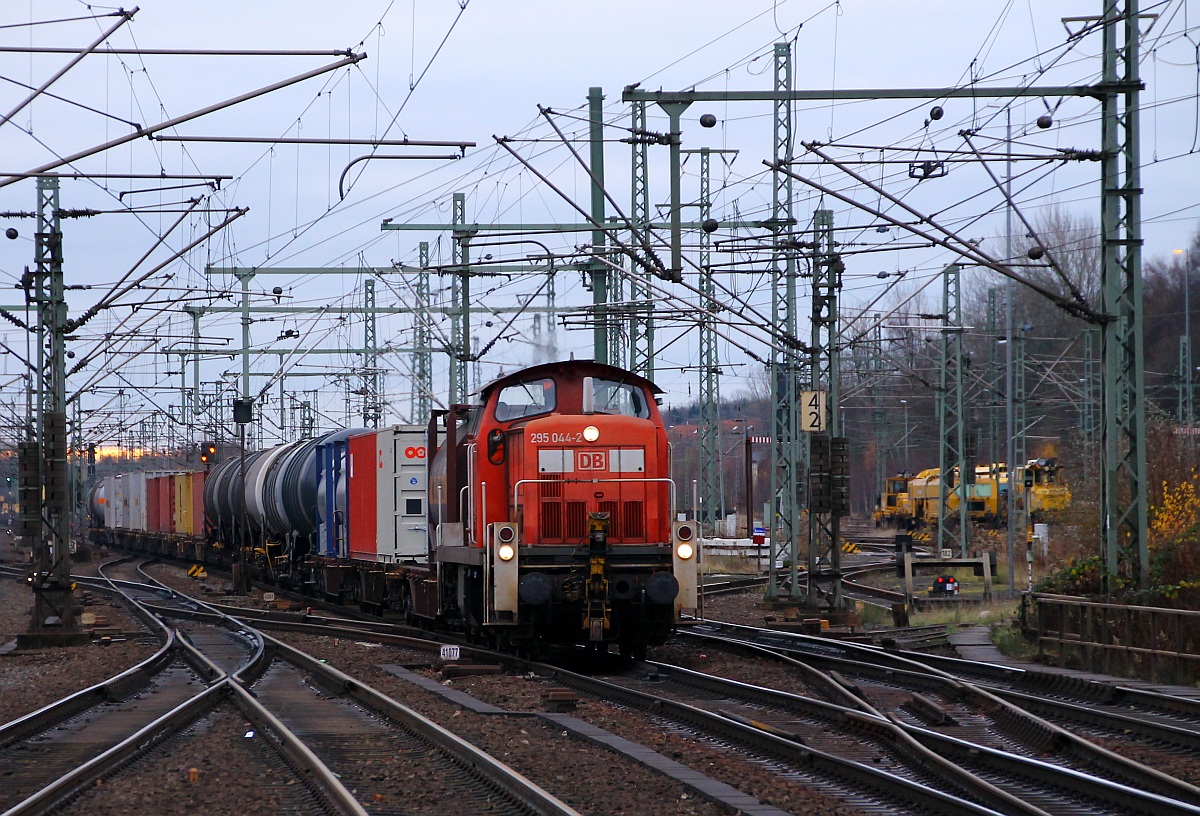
(545, 438)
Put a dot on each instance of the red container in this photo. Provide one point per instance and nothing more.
(155, 488)
(167, 502)
(386, 495)
(362, 534)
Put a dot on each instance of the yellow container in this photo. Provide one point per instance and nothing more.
(185, 522)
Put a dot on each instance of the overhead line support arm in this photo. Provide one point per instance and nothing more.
(126, 16)
(187, 117)
(975, 91)
(971, 253)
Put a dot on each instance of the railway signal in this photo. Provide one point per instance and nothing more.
(208, 453)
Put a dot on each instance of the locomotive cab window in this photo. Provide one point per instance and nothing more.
(525, 399)
(613, 397)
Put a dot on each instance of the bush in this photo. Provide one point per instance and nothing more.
(1079, 576)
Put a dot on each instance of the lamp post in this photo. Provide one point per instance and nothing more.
(905, 404)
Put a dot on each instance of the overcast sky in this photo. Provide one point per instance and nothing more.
(481, 69)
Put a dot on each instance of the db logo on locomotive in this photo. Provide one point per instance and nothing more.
(592, 460)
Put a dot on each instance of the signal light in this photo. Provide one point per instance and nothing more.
(685, 551)
(208, 453)
(506, 552)
(684, 532)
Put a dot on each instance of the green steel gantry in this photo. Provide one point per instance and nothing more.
(952, 424)
(1123, 507)
(641, 301)
(824, 533)
(788, 454)
(42, 469)
(712, 474)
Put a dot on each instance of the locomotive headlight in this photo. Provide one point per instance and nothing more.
(506, 552)
(685, 551)
(591, 433)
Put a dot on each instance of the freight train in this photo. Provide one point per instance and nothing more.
(545, 514)
(914, 501)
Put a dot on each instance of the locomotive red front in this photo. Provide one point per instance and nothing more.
(552, 512)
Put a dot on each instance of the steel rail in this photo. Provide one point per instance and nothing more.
(519, 787)
(953, 750)
(774, 745)
(317, 777)
(1050, 734)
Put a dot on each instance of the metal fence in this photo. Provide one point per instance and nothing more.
(1148, 642)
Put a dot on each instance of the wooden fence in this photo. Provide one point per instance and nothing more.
(1148, 642)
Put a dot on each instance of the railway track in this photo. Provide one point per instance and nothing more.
(855, 779)
(1158, 722)
(850, 750)
(835, 739)
(211, 663)
(1000, 718)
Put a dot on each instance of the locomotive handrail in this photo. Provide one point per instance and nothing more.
(463, 514)
(517, 487)
(437, 531)
(467, 517)
(488, 589)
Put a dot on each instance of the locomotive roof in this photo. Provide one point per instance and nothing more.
(582, 368)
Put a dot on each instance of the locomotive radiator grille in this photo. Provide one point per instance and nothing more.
(555, 528)
(634, 523)
(551, 525)
(551, 487)
(577, 520)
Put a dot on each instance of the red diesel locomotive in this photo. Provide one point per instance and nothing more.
(552, 514)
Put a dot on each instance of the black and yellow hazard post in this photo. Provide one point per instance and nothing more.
(597, 611)
(197, 571)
